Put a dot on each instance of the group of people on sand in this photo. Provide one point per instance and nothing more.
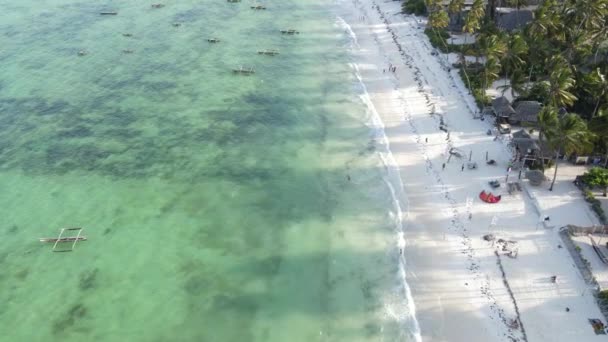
(391, 68)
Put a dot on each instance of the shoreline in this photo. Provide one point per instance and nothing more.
(455, 277)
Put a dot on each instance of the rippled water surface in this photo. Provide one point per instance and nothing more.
(217, 207)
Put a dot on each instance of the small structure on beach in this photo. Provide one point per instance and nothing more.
(501, 107)
(529, 150)
(213, 40)
(268, 52)
(290, 31)
(61, 239)
(519, 113)
(243, 71)
(526, 113)
(511, 19)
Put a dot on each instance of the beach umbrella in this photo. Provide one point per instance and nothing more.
(536, 177)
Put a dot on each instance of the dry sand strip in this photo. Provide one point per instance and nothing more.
(462, 292)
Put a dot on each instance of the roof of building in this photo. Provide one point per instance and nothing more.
(526, 145)
(502, 107)
(526, 111)
(514, 20)
(533, 147)
(521, 134)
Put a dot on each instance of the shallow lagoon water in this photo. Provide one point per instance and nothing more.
(217, 207)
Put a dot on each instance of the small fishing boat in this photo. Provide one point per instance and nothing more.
(234, 1)
(127, 35)
(127, 51)
(290, 31)
(258, 7)
(158, 5)
(268, 52)
(64, 239)
(108, 13)
(243, 71)
(213, 40)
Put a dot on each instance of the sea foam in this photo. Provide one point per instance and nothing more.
(400, 210)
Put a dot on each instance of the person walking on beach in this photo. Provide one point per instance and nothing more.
(462, 168)
(448, 138)
(426, 140)
(443, 166)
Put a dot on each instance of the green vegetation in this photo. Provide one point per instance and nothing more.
(560, 59)
(416, 7)
(597, 176)
(596, 205)
(438, 39)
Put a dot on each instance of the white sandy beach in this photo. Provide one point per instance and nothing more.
(457, 285)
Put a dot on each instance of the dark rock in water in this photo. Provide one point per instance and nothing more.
(76, 132)
(75, 313)
(196, 284)
(22, 275)
(13, 229)
(119, 118)
(88, 279)
(237, 304)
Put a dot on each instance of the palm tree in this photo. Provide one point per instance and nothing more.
(472, 22)
(599, 126)
(597, 85)
(547, 122)
(491, 45)
(490, 73)
(569, 136)
(477, 10)
(517, 84)
(560, 82)
(438, 19)
(512, 59)
(455, 6)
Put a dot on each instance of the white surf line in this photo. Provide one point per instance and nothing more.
(456, 220)
(398, 196)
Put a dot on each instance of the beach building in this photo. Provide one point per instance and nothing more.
(502, 109)
(522, 113)
(529, 150)
(526, 113)
(512, 19)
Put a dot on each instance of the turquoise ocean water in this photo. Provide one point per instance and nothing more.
(217, 207)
